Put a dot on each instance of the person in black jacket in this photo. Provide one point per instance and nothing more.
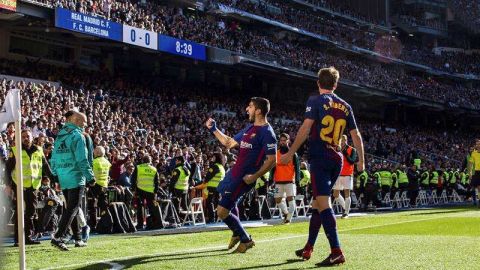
(413, 184)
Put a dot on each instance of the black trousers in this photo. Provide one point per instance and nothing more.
(385, 190)
(143, 196)
(31, 200)
(212, 202)
(413, 190)
(73, 198)
(180, 199)
(97, 198)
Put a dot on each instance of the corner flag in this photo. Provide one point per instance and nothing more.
(10, 112)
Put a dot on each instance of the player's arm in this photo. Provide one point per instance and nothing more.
(357, 140)
(225, 140)
(300, 138)
(269, 163)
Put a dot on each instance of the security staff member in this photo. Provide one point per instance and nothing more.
(433, 179)
(179, 184)
(413, 177)
(384, 179)
(97, 194)
(360, 182)
(402, 178)
(34, 166)
(146, 184)
(305, 181)
(425, 179)
(370, 195)
(215, 174)
(474, 170)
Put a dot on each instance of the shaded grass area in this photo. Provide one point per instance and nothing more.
(422, 239)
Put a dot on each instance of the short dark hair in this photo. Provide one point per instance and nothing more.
(69, 113)
(285, 135)
(219, 157)
(180, 158)
(262, 104)
(328, 78)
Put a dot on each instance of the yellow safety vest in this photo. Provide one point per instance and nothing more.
(31, 168)
(434, 179)
(417, 162)
(218, 177)
(306, 178)
(182, 182)
(145, 177)
(101, 168)
(402, 177)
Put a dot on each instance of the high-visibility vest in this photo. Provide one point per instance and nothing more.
(453, 177)
(425, 177)
(445, 177)
(417, 162)
(402, 177)
(146, 177)
(434, 179)
(384, 178)
(260, 182)
(347, 167)
(218, 177)
(182, 182)
(363, 176)
(101, 168)
(284, 173)
(463, 178)
(305, 181)
(31, 168)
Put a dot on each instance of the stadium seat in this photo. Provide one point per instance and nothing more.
(432, 198)
(387, 201)
(337, 207)
(405, 200)
(169, 213)
(422, 198)
(443, 197)
(397, 201)
(355, 201)
(300, 206)
(194, 212)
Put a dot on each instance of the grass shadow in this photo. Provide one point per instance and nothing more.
(128, 263)
(289, 261)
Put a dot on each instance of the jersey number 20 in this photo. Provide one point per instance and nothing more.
(332, 129)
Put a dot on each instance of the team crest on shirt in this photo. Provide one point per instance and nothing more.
(253, 135)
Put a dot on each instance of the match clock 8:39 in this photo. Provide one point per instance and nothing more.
(183, 48)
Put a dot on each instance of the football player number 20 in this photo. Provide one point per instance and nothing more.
(332, 129)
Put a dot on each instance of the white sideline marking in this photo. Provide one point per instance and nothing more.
(115, 266)
(109, 261)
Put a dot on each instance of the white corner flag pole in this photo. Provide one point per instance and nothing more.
(20, 208)
(11, 112)
(17, 115)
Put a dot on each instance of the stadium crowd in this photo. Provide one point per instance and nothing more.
(212, 31)
(469, 12)
(130, 121)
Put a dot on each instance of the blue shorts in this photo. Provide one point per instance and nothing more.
(231, 191)
(324, 174)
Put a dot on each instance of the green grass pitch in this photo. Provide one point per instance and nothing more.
(422, 239)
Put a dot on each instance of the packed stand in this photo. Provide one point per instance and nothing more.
(200, 29)
(468, 11)
(172, 21)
